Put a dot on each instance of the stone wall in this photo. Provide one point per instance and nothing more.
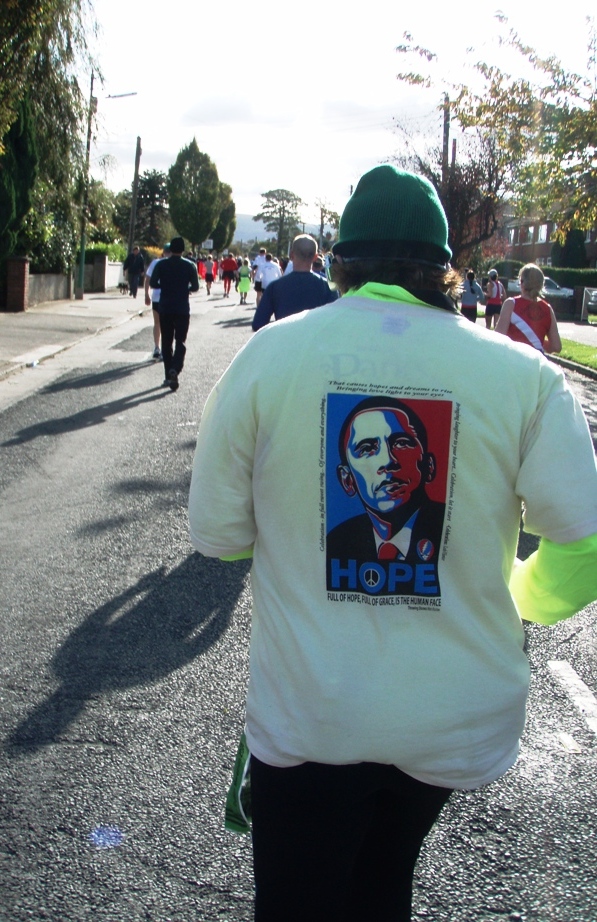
(49, 287)
(24, 290)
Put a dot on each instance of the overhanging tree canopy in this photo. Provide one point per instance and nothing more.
(544, 127)
(18, 168)
(42, 48)
(26, 28)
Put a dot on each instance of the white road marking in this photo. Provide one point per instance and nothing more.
(568, 742)
(579, 693)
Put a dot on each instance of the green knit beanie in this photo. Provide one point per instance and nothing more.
(392, 213)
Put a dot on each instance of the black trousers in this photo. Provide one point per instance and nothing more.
(174, 328)
(338, 843)
(470, 313)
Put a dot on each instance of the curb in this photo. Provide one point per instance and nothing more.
(574, 366)
(11, 368)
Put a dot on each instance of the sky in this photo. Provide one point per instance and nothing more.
(297, 97)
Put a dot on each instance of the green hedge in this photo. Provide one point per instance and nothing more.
(116, 252)
(571, 278)
(507, 268)
(567, 278)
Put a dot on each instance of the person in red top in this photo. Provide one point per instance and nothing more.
(528, 318)
(495, 296)
(229, 268)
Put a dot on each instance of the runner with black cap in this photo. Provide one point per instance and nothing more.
(176, 278)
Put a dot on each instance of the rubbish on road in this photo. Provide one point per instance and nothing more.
(106, 836)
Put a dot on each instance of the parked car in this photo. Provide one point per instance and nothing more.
(549, 287)
(592, 300)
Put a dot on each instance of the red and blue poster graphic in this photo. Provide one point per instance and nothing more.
(387, 466)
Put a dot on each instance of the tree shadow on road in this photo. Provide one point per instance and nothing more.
(155, 627)
(75, 381)
(91, 416)
(234, 322)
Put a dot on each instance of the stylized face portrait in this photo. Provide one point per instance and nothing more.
(386, 462)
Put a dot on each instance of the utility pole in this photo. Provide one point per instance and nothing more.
(80, 286)
(135, 191)
(80, 283)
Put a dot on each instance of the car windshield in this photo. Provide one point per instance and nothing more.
(549, 283)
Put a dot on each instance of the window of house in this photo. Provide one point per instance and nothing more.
(588, 237)
(529, 234)
(542, 234)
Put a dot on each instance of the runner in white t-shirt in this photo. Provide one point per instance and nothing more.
(153, 299)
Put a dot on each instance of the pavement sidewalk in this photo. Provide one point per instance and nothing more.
(29, 337)
(47, 329)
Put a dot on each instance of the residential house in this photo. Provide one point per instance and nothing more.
(531, 242)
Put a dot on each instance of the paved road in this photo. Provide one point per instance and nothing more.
(579, 332)
(125, 661)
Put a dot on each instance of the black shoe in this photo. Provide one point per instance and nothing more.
(173, 379)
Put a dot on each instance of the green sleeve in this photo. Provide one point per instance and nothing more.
(242, 555)
(556, 581)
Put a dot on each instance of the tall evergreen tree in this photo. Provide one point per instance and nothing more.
(193, 194)
(223, 233)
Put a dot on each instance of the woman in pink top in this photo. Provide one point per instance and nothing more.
(528, 318)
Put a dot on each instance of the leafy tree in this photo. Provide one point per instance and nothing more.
(471, 191)
(152, 207)
(49, 232)
(121, 215)
(326, 216)
(223, 233)
(100, 211)
(279, 213)
(28, 29)
(194, 194)
(42, 47)
(572, 253)
(18, 169)
(544, 126)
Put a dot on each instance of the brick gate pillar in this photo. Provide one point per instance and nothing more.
(17, 283)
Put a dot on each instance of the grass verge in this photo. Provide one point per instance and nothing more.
(578, 352)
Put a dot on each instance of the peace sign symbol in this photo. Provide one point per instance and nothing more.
(371, 577)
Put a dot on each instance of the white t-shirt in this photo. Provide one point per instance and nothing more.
(268, 272)
(258, 262)
(155, 292)
(416, 661)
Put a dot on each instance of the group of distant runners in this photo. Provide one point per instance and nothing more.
(263, 269)
(290, 285)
